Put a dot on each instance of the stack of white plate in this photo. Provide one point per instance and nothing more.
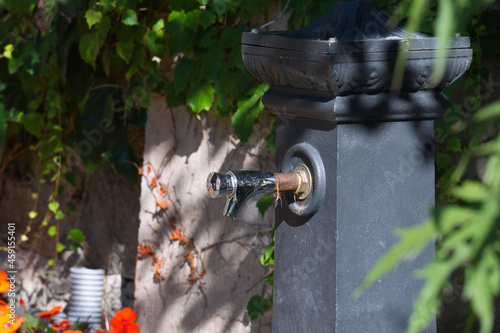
(87, 289)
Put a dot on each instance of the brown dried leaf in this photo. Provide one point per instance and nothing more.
(162, 203)
(163, 189)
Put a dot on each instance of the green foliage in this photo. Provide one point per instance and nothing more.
(36, 324)
(76, 78)
(257, 306)
(76, 235)
(467, 222)
(264, 203)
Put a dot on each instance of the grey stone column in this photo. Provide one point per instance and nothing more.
(370, 150)
(379, 176)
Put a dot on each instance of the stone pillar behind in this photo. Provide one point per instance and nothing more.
(182, 151)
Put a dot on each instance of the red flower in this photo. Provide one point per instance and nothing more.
(123, 321)
(47, 315)
(62, 325)
(4, 284)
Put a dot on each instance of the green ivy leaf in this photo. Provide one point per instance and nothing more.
(442, 160)
(243, 122)
(32, 214)
(156, 49)
(193, 19)
(177, 15)
(453, 144)
(223, 6)
(54, 206)
(50, 262)
(93, 17)
(182, 72)
(105, 26)
(246, 114)
(124, 49)
(33, 123)
(257, 306)
(7, 53)
(60, 247)
(211, 63)
(231, 37)
(264, 203)
(76, 235)
(159, 26)
(130, 17)
(89, 47)
(72, 208)
(52, 231)
(267, 258)
(207, 18)
(24, 238)
(59, 215)
(201, 97)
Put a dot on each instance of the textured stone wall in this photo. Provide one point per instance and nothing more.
(200, 283)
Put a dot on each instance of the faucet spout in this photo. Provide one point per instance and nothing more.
(239, 186)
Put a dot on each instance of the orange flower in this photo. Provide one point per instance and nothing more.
(4, 284)
(47, 315)
(8, 325)
(62, 325)
(123, 321)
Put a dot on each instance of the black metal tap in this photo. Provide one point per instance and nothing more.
(239, 186)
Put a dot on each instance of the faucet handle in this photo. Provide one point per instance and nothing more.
(239, 186)
(219, 184)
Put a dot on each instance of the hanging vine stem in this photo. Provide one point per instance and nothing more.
(277, 17)
(234, 239)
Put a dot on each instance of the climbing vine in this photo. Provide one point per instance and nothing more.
(78, 75)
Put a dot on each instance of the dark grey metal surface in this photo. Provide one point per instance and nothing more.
(378, 177)
(351, 50)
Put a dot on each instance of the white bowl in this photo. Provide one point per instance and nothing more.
(84, 270)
